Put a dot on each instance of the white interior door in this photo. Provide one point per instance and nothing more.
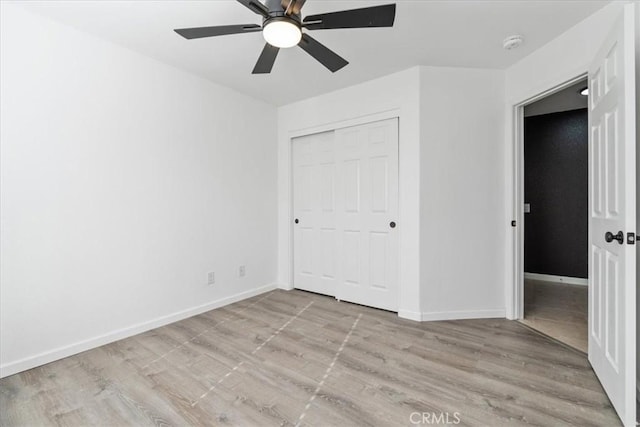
(345, 209)
(314, 210)
(612, 312)
(368, 213)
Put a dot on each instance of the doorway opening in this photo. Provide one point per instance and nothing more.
(555, 220)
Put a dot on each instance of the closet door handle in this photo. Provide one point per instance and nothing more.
(392, 224)
(610, 237)
(296, 220)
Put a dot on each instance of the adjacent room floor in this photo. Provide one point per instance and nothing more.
(558, 310)
(295, 358)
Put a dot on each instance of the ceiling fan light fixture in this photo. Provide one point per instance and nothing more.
(282, 32)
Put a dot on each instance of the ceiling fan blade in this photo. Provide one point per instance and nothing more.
(266, 60)
(376, 16)
(220, 30)
(292, 7)
(255, 6)
(323, 54)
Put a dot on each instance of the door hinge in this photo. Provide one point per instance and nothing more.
(631, 238)
(513, 223)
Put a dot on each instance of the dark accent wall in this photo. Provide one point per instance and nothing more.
(556, 186)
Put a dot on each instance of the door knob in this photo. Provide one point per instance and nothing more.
(392, 224)
(296, 220)
(610, 237)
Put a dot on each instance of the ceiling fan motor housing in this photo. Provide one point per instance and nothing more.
(292, 19)
(277, 10)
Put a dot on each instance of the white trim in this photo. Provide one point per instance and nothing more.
(410, 315)
(558, 279)
(78, 347)
(517, 309)
(393, 113)
(452, 315)
(459, 315)
(284, 286)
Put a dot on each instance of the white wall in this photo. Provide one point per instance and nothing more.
(123, 181)
(561, 60)
(396, 95)
(462, 193)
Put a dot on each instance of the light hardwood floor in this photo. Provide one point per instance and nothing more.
(285, 358)
(558, 310)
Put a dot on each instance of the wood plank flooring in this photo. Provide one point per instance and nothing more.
(296, 358)
(558, 310)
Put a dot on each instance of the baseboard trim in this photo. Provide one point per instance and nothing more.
(91, 343)
(452, 315)
(410, 315)
(464, 314)
(558, 279)
(284, 286)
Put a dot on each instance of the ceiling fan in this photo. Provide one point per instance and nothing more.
(282, 26)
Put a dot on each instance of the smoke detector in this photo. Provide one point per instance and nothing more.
(512, 42)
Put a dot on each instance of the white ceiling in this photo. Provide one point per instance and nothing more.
(439, 33)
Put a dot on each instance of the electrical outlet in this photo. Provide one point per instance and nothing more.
(242, 271)
(211, 278)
